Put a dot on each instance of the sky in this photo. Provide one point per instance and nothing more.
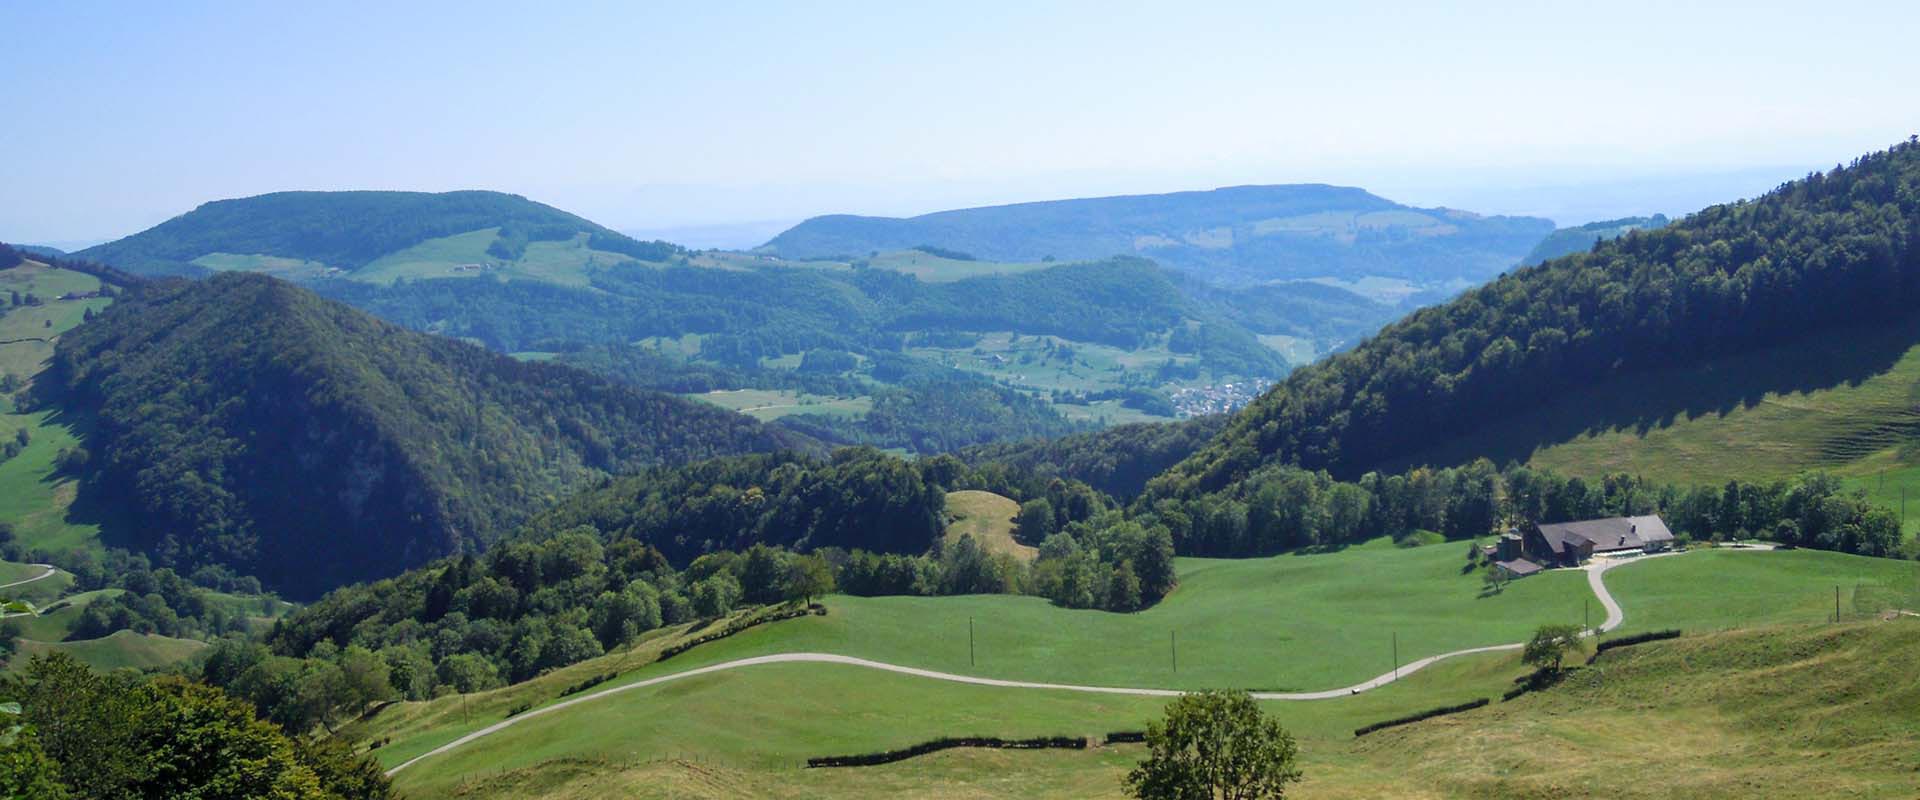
(719, 116)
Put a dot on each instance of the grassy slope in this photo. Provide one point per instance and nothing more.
(771, 404)
(1813, 711)
(562, 262)
(1718, 589)
(32, 498)
(121, 649)
(1781, 712)
(1842, 401)
(755, 724)
(1291, 623)
(988, 518)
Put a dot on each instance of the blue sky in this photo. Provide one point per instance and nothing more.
(660, 115)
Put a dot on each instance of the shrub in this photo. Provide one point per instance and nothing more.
(1427, 714)
(890, 756)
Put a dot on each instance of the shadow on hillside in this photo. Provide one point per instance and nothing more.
(91, 505)
(1644, 402)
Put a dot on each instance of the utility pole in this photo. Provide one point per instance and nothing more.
(970, 661)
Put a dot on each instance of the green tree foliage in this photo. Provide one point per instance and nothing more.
(1835, 248)
(1280, 508)
(1117, 461)
(1550, 645)
(244, 418)
(119, 736)
(1215, 745)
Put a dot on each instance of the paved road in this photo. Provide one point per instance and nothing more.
(48, 574)
(1594, 570)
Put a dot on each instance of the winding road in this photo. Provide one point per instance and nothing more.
(48, 574)
(1594, 571)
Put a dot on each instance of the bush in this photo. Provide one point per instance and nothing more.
(1427, 714)
(1638, 638)
(890, 756)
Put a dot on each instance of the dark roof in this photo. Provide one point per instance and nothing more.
(1606, 535)
(1519, 567)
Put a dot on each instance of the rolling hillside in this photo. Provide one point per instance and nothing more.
(1623, 322)
(378, 236)
(244, 421)
(1238, 235)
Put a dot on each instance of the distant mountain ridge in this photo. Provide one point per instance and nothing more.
(349, 230)
(244, 421)
(1235, 235)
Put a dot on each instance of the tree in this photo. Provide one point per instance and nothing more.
(1550, 645)
(1035, 522)
(1215, 744)
(716, 595)
(808, 577)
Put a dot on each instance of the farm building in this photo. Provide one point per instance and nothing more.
(1570, 544)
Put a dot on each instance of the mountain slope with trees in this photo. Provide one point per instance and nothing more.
(1832, 249)
(247, 422)
(348, 230)
(1235, 235)
(1580, 238)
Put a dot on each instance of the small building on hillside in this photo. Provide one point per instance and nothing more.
(1570, 544)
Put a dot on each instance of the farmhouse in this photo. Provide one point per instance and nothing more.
(1570, 544)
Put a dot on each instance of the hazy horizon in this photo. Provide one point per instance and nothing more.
(709, 121)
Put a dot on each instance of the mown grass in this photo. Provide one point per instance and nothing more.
(988, 518)
(1295, 622)
(757, 725)
(1721, 589)
(1797, 711)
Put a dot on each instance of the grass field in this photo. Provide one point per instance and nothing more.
(1248, 624)
(51, 318)
(57, 624)
(1722, 588)
(33, 497)
(935, 269)
(1810, 711)
(1816, 711)
(988, 518)
(564, 262)
(770, 404)
(757, 725)
(121, 649)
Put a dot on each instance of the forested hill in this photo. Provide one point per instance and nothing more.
(1831, 249)
(1580, 238)
(349, 230)
(248, 422)
(1238, 235)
